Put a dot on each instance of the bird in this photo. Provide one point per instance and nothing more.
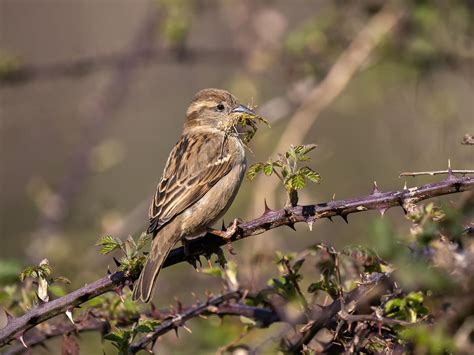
(200, 180)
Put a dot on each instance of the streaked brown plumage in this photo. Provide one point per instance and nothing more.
(200, 180)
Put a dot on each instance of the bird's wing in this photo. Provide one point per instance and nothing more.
(196, 163)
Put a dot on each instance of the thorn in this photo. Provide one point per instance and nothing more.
(186, 328)
(176, 332)
(382, 211)
(267, 209)
(450, 171)
(310, 225)
(405, 186)
(400, 202)
(117, 263)
(69, 315)
(22, 341)
(291, 225)
(108, 271)
(330, 218)
(344, 217)
(223, 226)
(375, 190)
(333, 196)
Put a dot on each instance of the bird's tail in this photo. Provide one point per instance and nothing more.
(160, 248)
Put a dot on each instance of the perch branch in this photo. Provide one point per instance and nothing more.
(209, 243)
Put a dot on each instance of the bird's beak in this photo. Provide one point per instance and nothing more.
(244, 109)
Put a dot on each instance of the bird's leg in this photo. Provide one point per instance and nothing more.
(228, 233)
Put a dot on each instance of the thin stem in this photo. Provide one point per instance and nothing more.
(437, 172)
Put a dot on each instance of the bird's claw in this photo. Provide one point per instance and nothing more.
(192, 259)
(228, 234)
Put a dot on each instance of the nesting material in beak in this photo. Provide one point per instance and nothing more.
(245, 122)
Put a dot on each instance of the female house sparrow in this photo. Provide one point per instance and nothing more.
(201, 178)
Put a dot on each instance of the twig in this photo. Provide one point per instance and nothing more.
(210, 243)
(99, 322)
(181, 318)
(358, 296)
(437, 172)
(372, 318)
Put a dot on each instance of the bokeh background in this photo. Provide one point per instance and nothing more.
(93, 96)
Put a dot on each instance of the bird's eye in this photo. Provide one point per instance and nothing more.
(220, 107)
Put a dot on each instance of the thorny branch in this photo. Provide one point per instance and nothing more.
(209, 244)
(436, 172)
(227, 304)
(100, 322)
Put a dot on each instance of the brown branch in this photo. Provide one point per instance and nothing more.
(100, 321)
(368, 290)
(181, 318)
(437, 172)
(373, 319)
(209, 243)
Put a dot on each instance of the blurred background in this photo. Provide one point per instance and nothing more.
(93, 96)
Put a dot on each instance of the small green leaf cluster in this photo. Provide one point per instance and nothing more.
(409, 307)
(132, 259)
(42, 274)
(287, 169)
(122, 338)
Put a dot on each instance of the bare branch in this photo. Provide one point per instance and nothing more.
(210, 243)
(437, 172)
(357, 297)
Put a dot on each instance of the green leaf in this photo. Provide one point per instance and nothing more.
(116, 336)
(310, 174)
(146, 326)
(297, 265)
(62, 279)
(254, 169)
(214, 271)
(268, 169)
(108, 244)
(27, 272)
(296, 182)
(44, 269)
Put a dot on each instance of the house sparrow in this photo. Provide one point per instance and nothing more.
(201, 178)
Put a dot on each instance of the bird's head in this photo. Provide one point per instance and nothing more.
(216, 108)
